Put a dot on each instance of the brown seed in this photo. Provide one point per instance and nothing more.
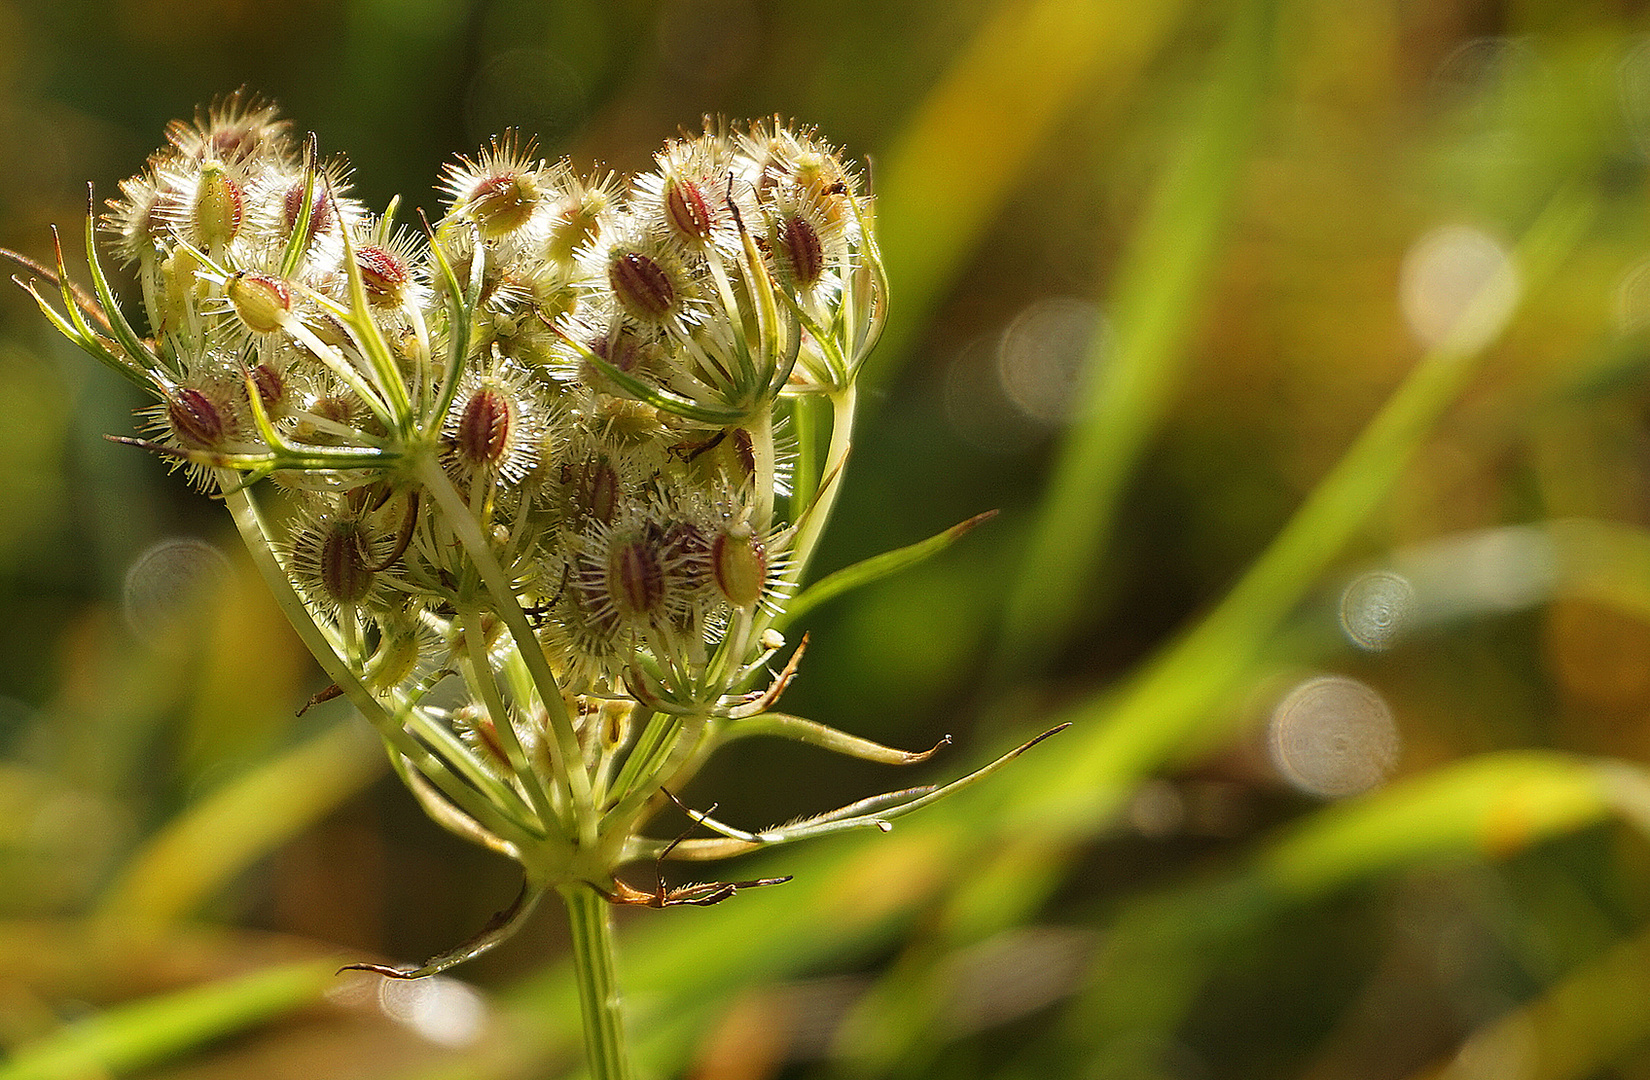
(483, 427)
(345, 572)
(196, 419)
(601, 490)
(641, 285)
(801, 254)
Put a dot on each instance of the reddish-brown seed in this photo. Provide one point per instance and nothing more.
(483, 427)
(687, 211)
(601, 490)
(320, 210)
(271, 386)
(641, 285)
(636, 579)
(196, 419)
(384, 275)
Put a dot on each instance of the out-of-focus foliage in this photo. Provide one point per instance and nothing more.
(1302, 346)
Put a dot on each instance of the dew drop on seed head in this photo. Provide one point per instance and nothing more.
(166, 583)
(1332, 736)
(1375, 609)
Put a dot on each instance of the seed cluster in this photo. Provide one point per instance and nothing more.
(620, 362)
(534, 482)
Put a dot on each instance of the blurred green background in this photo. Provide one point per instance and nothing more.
(1302, 346)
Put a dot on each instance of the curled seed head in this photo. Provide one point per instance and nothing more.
(261, 301)
(198, 421)
(740, 564)
(636, 579)
(483, 427)
(219, 206)
(641, 285)
(384, 275)
(687, 212)
(797, 248)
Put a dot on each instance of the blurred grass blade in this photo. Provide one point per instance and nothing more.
(1155, 308)
(132, 1036)
(1164, 947)
(1171, 709)
(1491, 806)
(978, 130)
(874, 568)
(206, 845)
(1597, 1017)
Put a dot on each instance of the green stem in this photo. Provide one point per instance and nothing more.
(599, 1004)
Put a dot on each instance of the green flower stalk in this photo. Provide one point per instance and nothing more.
(521, 480)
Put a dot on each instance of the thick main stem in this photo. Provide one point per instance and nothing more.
(592, 931)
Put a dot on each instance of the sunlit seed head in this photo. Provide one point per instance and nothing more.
(500, 189)
(198, 421)
(219, 207)
(739, 563)
(143, 217)
(263, 303)
(578, 215)
(235, 129)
